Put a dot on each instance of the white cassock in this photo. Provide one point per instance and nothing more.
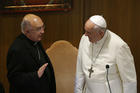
(116, 54)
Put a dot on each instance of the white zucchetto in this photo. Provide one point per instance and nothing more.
(98, 20)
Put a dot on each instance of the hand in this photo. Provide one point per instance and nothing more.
(41, 70)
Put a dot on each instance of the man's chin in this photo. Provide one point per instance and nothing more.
(40, 39)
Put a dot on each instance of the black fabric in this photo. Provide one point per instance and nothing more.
(23, 63)
(42, 60)
(1, 88)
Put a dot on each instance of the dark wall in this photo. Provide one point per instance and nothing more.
(122, 17)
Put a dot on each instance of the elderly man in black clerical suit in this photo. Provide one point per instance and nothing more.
(29, 67)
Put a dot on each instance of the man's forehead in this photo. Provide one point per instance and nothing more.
(34, 20)
(89, 24)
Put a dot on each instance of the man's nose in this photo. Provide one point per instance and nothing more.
(42, 31)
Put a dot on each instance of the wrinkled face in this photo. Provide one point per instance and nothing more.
(93, 34)
(36, 33)
(36, 29)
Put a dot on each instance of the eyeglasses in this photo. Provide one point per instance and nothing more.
(38, 28)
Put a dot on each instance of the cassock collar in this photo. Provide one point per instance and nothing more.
(30, 41)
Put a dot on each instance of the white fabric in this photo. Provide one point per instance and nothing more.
(117, 55)
(98, 20)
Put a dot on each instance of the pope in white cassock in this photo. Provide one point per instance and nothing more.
(104, 63)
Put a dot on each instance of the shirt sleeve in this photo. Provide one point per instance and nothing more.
(79, 80)
(126, 67)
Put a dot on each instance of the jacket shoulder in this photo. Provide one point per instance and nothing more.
(116, 40)
(18, 44)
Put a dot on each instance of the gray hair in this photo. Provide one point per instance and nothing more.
(25, 25)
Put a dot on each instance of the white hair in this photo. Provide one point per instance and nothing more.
(25, 25)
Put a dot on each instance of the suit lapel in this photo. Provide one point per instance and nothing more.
(31, 49)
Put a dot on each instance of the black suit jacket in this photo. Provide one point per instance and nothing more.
(23, 64)
(1, 88)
